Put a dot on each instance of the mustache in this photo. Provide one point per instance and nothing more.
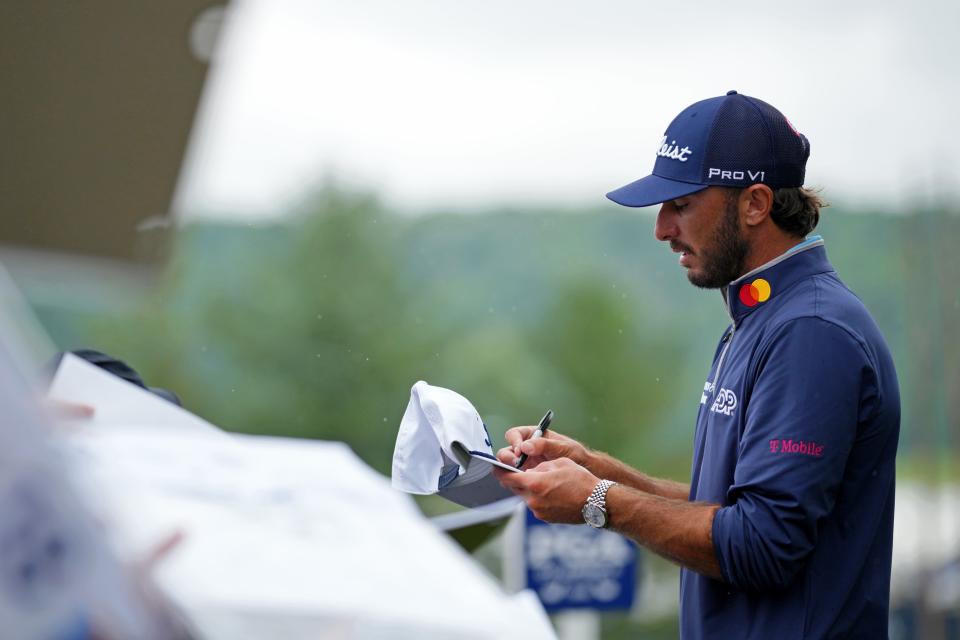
(679, 246)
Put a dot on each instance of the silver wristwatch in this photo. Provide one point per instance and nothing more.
(595, 510)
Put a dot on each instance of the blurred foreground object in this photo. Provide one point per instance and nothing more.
(282, 537)
(99, 100)
(58, 579)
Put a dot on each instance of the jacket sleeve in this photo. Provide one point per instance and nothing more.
(800, 424)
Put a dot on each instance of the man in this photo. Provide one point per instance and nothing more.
(785, 530)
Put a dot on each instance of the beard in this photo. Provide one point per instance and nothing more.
(724, 257)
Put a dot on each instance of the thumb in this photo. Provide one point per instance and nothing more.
(546, 448)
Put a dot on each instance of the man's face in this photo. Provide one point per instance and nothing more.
(705, 229)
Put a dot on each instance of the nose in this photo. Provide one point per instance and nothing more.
(666, 226)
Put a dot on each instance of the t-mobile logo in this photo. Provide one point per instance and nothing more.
(780, 445)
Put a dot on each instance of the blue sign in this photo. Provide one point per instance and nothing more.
(579, 567)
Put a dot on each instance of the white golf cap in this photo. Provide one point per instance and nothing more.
(440, 435)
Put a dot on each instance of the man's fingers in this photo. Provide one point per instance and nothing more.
(553, 465)
(515, 482)
(545, 447)
(507, 456)
(516, 435)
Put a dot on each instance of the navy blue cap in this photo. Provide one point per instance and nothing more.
(731, 141)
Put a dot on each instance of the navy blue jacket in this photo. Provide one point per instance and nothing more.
(796, 438)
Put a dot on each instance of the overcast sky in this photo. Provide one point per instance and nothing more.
(473, 104)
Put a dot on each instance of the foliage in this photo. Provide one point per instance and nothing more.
(317, 328)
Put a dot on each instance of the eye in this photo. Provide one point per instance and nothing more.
(680, 206)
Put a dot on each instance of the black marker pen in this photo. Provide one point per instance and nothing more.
(541, 429)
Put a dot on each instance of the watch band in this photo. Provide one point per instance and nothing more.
(599, 495)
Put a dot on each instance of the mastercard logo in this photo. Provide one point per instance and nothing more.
(755, 292)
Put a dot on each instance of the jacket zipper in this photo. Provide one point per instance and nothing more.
(728, 339)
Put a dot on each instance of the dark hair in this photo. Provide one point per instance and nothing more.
(796, 210)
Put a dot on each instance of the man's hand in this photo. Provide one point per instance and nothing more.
(555, 490)
(551, 446)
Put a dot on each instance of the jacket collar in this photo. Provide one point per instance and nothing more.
(754, 289)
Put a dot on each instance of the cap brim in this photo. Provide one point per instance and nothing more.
(653, 190)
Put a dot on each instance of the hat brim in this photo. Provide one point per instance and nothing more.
(653, 190)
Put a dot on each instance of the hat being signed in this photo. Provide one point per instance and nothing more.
(443, 447)
(732, 141)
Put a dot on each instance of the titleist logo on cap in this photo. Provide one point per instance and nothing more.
(673, 150)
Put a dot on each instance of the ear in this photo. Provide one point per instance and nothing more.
(756, 201)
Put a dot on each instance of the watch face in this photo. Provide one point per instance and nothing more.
(594, 515)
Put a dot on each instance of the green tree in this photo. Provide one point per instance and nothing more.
(613, 370)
